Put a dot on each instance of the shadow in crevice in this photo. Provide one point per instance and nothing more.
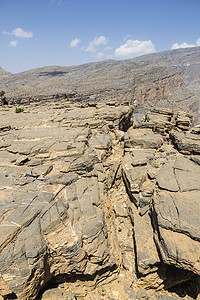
(179, 281)
(10, 296)
(73, 277)
(189, 288)
(176, 280)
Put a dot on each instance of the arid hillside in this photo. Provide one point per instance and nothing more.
(167, 79)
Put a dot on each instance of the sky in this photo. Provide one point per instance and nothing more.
(37, 33)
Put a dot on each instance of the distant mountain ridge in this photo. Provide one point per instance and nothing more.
(169, 79)
(4, 73)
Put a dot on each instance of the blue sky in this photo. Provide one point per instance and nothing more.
(37, 33)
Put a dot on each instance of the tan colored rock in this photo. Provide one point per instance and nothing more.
(142, 138)
(79, 210)
(146, 253)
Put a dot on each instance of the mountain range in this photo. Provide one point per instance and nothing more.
(165, 79)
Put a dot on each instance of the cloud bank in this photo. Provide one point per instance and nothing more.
(133, 48)
(74, 43)
(185, 45)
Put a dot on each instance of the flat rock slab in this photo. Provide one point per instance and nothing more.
(177, 227)
(166, 178)
(142, 138)
(101, 141)
(180, 174)
(180, 250)
(187, 174)
(146, 252)
(177, 210)
(141, 157)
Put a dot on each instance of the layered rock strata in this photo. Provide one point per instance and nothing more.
(96, 207)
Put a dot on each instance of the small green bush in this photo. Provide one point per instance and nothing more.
(18, 110)
(156, 165)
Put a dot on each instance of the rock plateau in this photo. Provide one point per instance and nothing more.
(97, 206)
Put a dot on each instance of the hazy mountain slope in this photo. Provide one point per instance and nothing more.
(170, 78)
(4, 73)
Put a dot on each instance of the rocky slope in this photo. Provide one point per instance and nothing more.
(94, 206)
(166, 79)
(4, 74)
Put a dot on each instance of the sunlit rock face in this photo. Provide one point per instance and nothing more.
(93, 205)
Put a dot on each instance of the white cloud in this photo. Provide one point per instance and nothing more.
(74, 43)
(19, 32)
(183, 45)
(133, 48)
(102, 40)
(13, 43)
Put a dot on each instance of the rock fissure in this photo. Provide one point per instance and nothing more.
(105, 204)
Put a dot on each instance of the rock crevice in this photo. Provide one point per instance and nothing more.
(90, 200)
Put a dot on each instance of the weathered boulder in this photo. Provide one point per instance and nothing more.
(183, 120)
(163, 120)
(143, 138)
(186, 143)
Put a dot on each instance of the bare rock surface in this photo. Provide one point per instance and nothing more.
(95, 208)
(187, 143)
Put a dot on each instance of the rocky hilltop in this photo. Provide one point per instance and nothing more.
(4, 74)
(167, 79)
(97, 206)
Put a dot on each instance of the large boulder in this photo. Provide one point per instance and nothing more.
(186, 143)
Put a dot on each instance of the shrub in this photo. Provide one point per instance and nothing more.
(18, 110)
(156, 165)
